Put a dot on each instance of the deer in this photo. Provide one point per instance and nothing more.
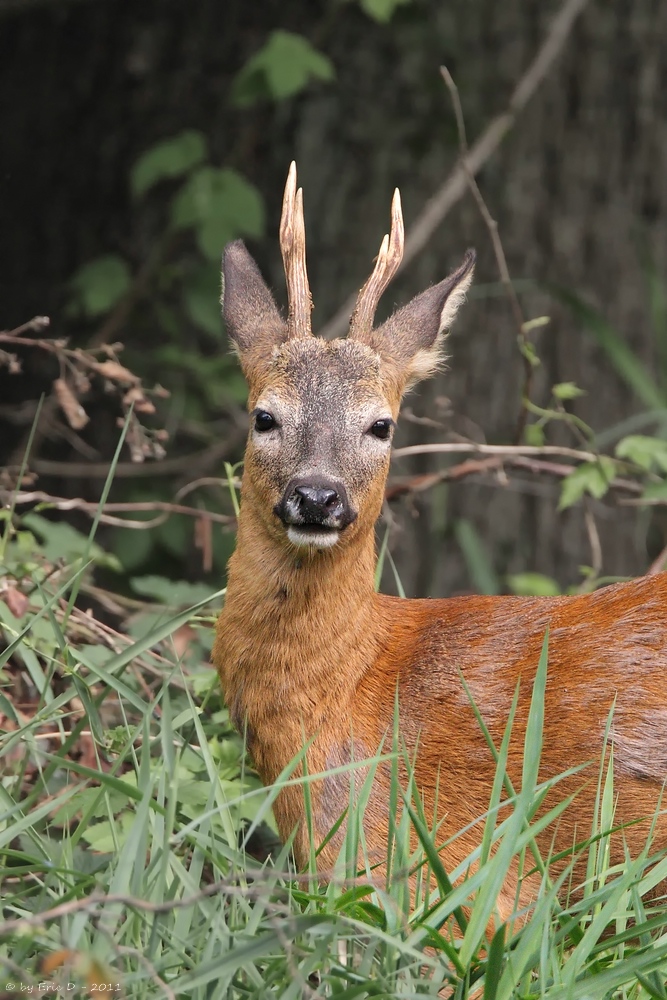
(310, 655)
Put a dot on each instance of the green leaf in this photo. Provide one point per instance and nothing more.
(534, 435)
(201, 298)
(535, 324)
(381, 10)
(173, 592)
(589, 477)
(60, 540)
(646, 452)
(132, 546)
(171, 158)
(281, 69)
(106, 836)
(98, 285)
(495, 962)
(567, 390)
(220, 205)
(532, 584)
(655, 491)
(529, 353)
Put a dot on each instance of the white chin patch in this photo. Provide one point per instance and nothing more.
(314, 539)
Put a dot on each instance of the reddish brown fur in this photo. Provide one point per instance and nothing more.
(303, 663)
(306, 648)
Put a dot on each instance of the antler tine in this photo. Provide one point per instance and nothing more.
(293, 248)
(387, 264)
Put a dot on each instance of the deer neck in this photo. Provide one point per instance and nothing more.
(297, 632)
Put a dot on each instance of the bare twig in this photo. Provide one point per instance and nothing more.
(645, 502)
(495, 449)
(593, 539)
(76, 367)
(520, 456)
(200, 460)
(61, 503)
(253, 883)
(125, 950)
(109, 367)
(438, 206)
(418, 484)
(34, 325)
(499, 252)
(537, 466)
(510, 456)
(96, 900)
(196, 484)
(490, 222)
(659, 564)
(259, 887)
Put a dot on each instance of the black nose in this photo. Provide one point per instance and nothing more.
(316, 502)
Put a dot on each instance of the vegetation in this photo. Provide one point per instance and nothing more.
(133, 838)
(137, 852)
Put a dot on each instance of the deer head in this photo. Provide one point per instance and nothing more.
(323, 412)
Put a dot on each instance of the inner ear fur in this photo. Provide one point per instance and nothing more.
(254, 324)
(412, 338)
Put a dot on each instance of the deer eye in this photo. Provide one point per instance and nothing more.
(264, 421)
(382, 429)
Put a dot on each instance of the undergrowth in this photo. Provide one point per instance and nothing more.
(137, 854)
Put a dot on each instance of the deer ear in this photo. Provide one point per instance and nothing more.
(254, 324)
(412, 338)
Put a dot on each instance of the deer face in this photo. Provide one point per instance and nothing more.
(323, 412)
(320, 437)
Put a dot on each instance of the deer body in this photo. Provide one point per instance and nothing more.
(307, 650)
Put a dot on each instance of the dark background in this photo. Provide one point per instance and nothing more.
(579, 189)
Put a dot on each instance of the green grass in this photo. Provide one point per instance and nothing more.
(130, 822)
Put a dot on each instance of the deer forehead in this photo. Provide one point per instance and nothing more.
(325, 381)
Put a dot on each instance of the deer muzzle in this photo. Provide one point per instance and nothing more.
(315, 510)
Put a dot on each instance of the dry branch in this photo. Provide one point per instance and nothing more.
(166, 508)
(76, 368)
(514, 456)
(659, 564)
(499, 252)
(495, 449)
(439, 205)
(199, 461)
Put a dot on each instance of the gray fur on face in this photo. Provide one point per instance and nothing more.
(325, 396)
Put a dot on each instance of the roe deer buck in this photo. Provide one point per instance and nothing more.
(306, 648)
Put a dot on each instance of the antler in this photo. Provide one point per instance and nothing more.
(387, 264)
(293, 248)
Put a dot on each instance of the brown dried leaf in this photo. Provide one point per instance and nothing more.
(88, 758)
(12, 362)
(135, 396)
(144, 406)
(204, 541)
(116, 372)
(182, 639)
(70, 405)
(81, 382)
(112, 349)
(15, 601)
(97, 976)
(57, 958)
